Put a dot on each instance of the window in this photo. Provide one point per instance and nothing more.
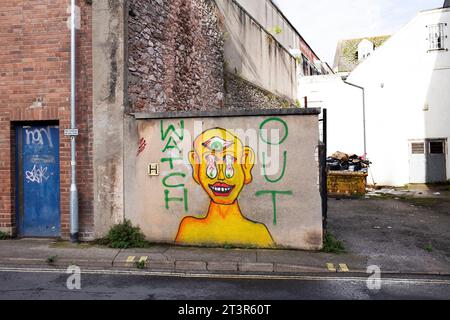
(418, 148)
(437, 147)
(305, 66)
(436, 36)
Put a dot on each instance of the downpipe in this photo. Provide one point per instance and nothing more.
(74, 227)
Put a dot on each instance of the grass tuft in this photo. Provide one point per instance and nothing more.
(124, 236)
(4, 236)
(332, 245)
(51, 260)
(140, 264)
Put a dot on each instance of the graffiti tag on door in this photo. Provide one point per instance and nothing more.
(37, 175)
(38, 136)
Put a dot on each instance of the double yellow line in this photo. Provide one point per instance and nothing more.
(342, 267)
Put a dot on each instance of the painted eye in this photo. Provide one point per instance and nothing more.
(211, 168)
(217, 144)
(229, 169)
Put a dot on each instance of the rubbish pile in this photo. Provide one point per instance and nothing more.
(340, 161)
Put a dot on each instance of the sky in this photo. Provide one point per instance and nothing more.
(322, 23)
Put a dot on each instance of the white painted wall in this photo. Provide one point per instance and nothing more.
(345, 114)
(400, 78)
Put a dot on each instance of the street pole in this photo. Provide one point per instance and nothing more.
(73, 186)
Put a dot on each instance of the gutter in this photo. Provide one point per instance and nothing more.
(74, 228)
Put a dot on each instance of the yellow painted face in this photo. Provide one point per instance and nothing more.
(221, 165)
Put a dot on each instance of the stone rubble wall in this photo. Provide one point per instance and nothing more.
(176, 60)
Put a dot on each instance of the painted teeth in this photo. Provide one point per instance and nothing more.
(221, 190)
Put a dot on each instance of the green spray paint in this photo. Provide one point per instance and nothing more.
(171, 129)
(282, 172)
(274, 200)
(175, 174)
(266, 139)
(173, 138)
(184, 200)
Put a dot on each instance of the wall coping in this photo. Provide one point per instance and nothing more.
(228, 113)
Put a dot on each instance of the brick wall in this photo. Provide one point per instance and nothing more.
(35, 86)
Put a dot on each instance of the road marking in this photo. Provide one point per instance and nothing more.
(130, 259)
(330, 267)
(226, 276)
(343, 267)
(143, 259)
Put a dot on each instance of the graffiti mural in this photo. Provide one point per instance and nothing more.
(222, 166)
(248, 182)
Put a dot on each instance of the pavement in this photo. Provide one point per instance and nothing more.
(400, 235)
(413, 191)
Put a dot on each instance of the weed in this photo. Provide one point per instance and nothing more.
(4, 236)
(52, 259)
(332, 245)
(429, 248)
(277, 30)
(123, 236)
(140, 264)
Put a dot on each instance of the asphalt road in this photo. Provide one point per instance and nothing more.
(31, 285)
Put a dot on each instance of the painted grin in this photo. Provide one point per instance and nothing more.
(221, 189)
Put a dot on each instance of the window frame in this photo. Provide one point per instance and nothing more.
(430, 149)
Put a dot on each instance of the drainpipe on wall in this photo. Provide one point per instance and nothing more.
(364, 113)
(73, 125)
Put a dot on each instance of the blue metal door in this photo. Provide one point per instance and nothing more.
(38, 196)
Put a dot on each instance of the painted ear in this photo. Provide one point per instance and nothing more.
(247, 164)
(195, 163)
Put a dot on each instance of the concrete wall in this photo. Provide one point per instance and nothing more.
(254, 55)
(265, 12)
(109, 21)
(155, 52)
(173, 207)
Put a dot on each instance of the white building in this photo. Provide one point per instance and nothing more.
(407, 104)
